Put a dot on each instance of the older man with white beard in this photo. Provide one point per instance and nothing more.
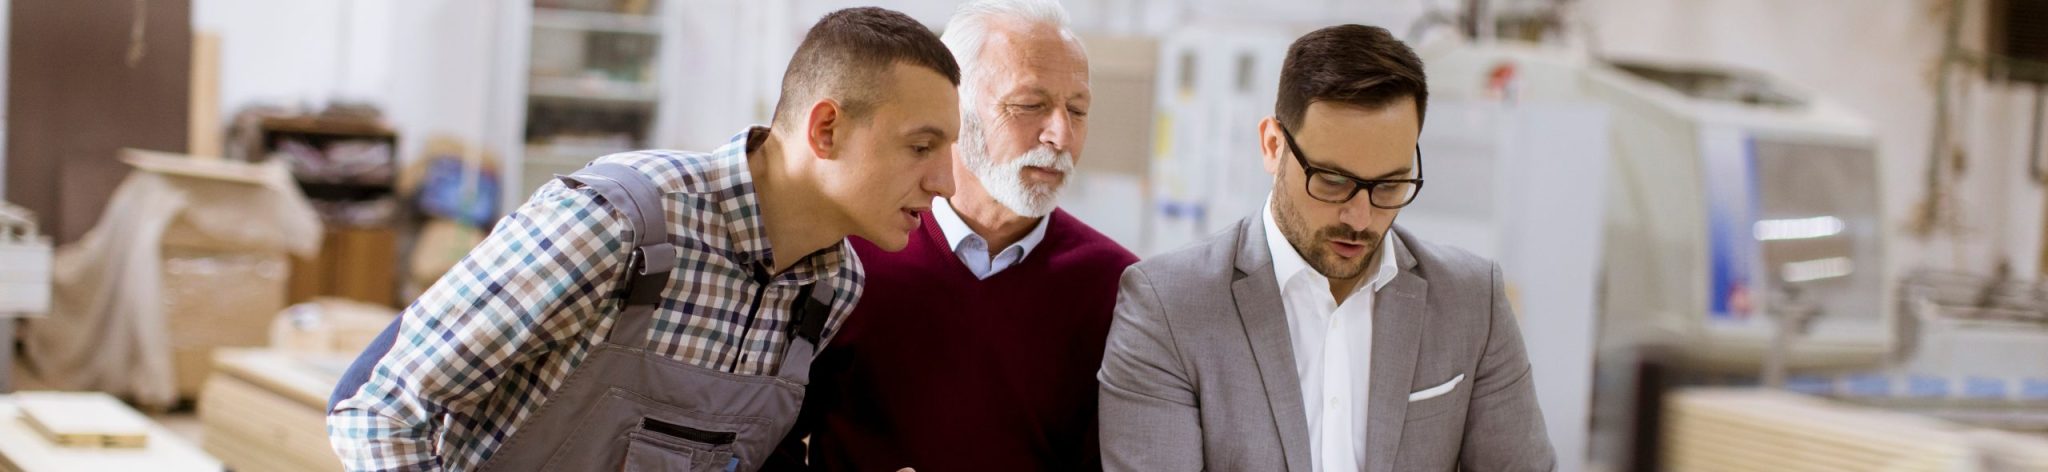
(975, 348)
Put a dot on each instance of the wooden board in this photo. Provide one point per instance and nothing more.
(204, 132)
(83, 419)
(303, 380)
(188, 166)
(22, 449)
(74, 100)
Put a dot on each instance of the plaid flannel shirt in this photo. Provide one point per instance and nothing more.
(487, 343)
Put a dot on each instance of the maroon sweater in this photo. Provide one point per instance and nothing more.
(940, 371)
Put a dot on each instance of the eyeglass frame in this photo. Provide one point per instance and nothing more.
(1309, 172)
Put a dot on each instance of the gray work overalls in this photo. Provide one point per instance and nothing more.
(625, 407)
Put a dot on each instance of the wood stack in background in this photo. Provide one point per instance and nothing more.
(1749, 429)
(267, 410)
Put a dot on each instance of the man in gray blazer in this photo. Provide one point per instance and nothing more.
(1317, 336)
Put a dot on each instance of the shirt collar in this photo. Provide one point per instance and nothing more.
(1288, 264)
(741, 207)
(957, 231)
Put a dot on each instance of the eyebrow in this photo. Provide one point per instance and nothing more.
(1396, 173)
(1039, 91)
(926, 129)
(1024, 93)
(1404, 170)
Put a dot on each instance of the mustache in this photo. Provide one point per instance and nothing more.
(1342, 232)
(1043, 156)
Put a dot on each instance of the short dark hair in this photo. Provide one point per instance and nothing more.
(1356, 65)
(848, 56)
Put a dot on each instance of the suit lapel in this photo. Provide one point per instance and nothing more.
(1265, 322)
(1397, 321)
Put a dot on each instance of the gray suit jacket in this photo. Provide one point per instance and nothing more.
(1199, 372)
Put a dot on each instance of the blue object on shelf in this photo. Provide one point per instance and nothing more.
(441, 193)
(1926, 386)
(1984, 387)
(2034, 389)
(1869, 385)
(1810, 384)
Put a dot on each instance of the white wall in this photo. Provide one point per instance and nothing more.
(424, 63)
(441, 55)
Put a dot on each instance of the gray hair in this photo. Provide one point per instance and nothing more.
(968, 30)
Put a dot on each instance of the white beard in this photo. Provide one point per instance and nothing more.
(1005, 180)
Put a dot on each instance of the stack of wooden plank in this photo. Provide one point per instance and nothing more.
(76, 419)
(267, 410)
(91, 431)
(1748, 429)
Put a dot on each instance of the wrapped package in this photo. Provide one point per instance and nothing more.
(189, 255)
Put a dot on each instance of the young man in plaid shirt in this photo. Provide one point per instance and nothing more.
(860, 144)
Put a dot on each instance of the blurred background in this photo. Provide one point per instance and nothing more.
(1740, 234)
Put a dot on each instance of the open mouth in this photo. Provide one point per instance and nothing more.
(911, 216)
(1347, 249)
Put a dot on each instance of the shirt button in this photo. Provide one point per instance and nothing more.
(1333, 402)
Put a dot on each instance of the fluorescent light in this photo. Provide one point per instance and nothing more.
(1798, 228)
(1806, 271)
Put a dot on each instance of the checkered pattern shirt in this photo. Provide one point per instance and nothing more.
(487, 343)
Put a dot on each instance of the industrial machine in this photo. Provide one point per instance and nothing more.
(1738, 207)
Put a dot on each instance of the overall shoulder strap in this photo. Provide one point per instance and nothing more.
(636, 196)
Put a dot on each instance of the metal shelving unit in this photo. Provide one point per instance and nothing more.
(574, 80)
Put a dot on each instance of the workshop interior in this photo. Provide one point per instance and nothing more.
(1750, 235)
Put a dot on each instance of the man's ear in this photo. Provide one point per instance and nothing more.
(821, 126)
(1271, 144)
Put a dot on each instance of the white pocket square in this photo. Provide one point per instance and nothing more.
(1436, 391)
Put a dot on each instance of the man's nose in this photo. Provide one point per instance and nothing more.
(1059, 131)
(938, 174)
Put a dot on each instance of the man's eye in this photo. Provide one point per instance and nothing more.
(1333, 179)
(921, 150)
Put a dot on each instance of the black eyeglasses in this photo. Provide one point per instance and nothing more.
(1337, 187)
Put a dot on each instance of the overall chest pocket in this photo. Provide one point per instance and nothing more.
(648, 435)
(659, 446)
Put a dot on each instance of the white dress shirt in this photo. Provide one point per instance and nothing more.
(973, 250)
(1332, 348)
